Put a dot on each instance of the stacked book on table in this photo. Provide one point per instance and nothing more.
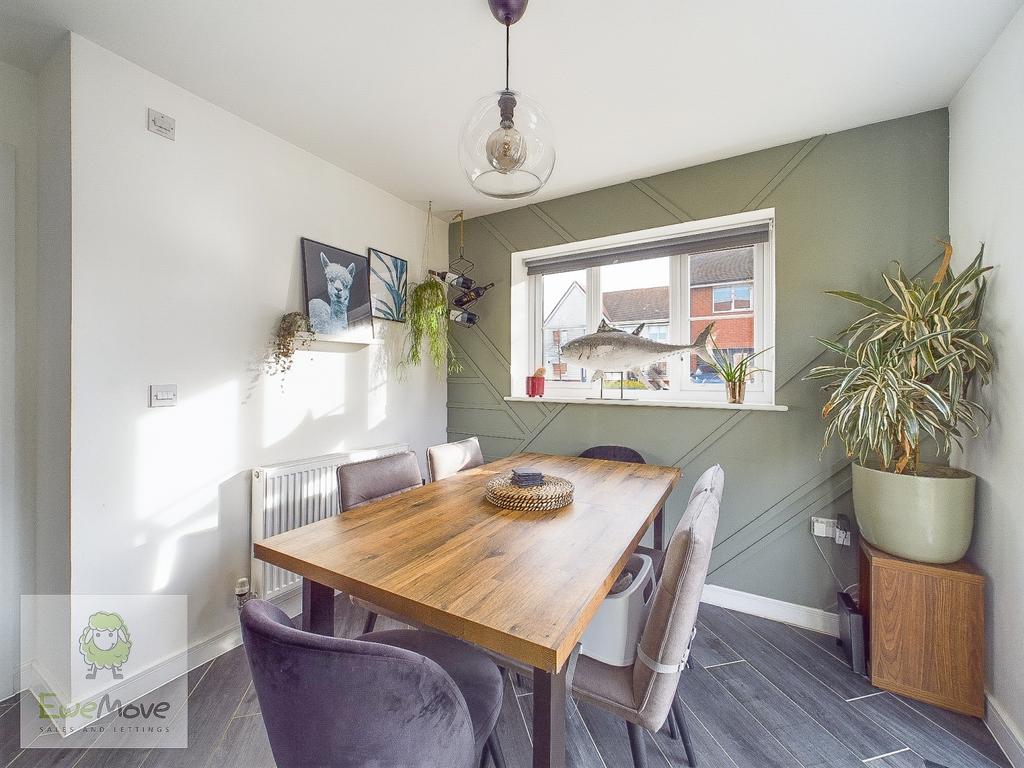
(527, 477)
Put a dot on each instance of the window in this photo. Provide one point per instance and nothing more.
(564, 300)
(636, 294)
(670, 283)
(731, 298)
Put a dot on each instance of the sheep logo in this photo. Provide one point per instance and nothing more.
(105, 644)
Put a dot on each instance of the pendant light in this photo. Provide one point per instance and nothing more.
(507, 144)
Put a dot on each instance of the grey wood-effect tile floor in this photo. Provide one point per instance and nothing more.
(760, 695)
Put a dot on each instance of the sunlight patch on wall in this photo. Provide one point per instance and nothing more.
(167, 551)
(377, 388)
(314, 388)
(182, 453)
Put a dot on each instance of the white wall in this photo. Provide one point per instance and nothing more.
(987, 205)
(53, 306)
(18, 98)
(185, 255)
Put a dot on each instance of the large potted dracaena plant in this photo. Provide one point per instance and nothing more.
(905, 377)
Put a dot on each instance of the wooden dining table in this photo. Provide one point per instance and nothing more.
(522, 585)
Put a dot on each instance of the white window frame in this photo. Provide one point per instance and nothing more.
(527, 314)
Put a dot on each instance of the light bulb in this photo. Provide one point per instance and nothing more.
(506, 150)
(506, 146)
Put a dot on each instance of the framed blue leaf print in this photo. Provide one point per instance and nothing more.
(389, 283)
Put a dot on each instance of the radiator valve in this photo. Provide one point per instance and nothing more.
(242, 593)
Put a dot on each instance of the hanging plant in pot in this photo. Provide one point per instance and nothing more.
(904, 378)
(428, 317)
(293, 332)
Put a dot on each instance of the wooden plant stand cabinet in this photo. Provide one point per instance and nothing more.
(925, 627)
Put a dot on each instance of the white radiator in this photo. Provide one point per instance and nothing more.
(293, 494)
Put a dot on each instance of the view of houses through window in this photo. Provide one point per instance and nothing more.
(632, 294)
(720, 290)
(565, 318)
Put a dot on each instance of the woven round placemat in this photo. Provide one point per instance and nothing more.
(554, 494)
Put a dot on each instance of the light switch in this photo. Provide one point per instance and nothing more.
(163, 395)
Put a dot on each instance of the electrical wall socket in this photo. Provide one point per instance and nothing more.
(843, 535)
(824, 527)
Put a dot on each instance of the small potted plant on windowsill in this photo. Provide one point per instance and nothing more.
(734, 370)
(905, 375)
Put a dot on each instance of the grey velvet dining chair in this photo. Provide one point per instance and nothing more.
(476, 675)
(449, 459)
(327, 701)
(361, 482)
(364, 481)
(644, 694)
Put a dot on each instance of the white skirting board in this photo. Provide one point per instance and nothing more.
(1007, 735)
(770, 608)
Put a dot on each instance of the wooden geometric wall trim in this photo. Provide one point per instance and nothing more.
(865, 167)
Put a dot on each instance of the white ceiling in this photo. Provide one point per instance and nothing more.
(632, 88)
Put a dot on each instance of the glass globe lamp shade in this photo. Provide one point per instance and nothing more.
(507, 146)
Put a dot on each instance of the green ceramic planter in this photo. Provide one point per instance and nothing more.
(927, 517)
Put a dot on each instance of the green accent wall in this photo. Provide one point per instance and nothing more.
(846, 205)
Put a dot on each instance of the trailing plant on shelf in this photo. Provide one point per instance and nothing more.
(734, 371)
(293, 331)
(904, 375)
(429, 322)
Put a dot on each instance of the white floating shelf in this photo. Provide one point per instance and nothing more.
(321, 344)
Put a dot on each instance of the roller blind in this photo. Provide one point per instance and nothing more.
(720, 240)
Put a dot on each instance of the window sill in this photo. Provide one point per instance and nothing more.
(722, 406)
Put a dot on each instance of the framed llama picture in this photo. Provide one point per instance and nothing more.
(337, 292)
(389, 285)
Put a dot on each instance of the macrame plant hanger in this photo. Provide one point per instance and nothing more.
(461, 265)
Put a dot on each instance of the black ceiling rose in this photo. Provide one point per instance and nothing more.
(508, 11)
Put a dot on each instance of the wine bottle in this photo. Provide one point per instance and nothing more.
(454, 279)
(463, 317)
(472, 295)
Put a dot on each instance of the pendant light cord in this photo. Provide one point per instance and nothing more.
(508, 27)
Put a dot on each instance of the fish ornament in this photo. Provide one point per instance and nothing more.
(610, 349)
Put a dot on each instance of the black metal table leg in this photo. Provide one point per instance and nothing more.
(317, 608)
(659, 530)
(677, 713)
(549, 697)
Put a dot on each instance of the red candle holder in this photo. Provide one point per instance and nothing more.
(535, 386)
